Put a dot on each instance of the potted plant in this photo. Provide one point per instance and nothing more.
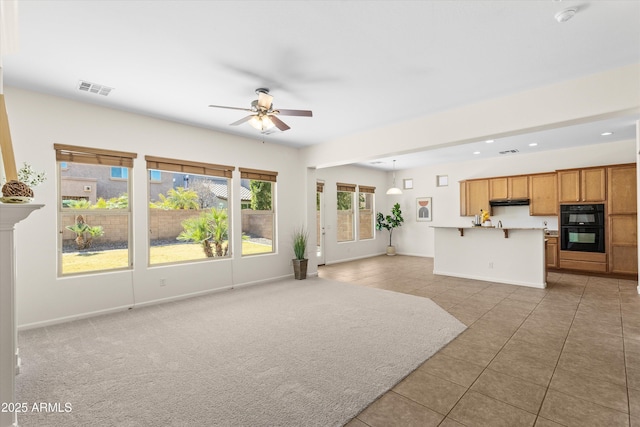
(300, 238)
(390, 222)
(21, 190)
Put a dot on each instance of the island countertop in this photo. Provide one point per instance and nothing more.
(462, 228)
(493, 227)
(513, 255)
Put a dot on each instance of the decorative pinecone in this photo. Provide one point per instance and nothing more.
(16, 189)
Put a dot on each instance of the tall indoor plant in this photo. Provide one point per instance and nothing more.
(300, 239)
(390, 222)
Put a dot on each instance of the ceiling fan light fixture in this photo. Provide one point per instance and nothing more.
(262, 123)
(263, 116)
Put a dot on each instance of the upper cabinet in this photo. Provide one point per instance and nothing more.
(614, 185)
(543, 192)
(474, 195)
(498, 188)
(509, 187)
(621, 188)
(518, 187)
(582, 185)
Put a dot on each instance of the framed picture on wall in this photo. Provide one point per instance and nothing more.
(424, 209)
(442, 180)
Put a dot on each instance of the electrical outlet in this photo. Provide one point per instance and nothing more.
(491, 265)
(163, 282)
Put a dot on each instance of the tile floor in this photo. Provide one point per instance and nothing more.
(568, 355)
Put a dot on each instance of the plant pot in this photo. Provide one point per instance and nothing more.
(391, 250)
(300, 268)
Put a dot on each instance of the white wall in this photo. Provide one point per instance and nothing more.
(598, 96)
(416, 238)
(38, 121)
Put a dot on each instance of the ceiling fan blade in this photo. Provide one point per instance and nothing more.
(241, 121)
(279, 123)
(303, 113)
(265, 100)
(231, 108)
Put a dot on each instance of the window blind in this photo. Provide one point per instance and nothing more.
(365, 189)
(259, 175)
(186, 166)
(93, 156)
(346, 187)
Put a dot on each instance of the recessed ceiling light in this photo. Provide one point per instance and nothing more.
(533, 144)
(476, 152)
(489, 141)
(606, 133)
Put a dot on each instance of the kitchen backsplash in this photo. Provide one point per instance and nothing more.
(518, 216)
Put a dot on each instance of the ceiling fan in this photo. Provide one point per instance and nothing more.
(264, 117)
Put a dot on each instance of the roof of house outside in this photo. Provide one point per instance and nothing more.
(221, 191)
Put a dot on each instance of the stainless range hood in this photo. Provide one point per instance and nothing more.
(509, 202)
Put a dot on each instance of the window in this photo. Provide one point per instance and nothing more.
(119, 173)
(366, 212)
(188, 210)
(94, 218)
(258, 221)
(346, 218)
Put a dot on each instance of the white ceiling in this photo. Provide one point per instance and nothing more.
(356, 64)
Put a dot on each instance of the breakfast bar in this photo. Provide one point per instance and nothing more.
(514, 256)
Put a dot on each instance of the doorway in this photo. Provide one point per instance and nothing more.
(320, 228)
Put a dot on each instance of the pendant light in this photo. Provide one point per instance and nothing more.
(394, 190)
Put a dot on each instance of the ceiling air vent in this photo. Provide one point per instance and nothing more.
(94, 88)
(509, 151)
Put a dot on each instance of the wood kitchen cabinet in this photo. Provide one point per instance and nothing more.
(551, 252)
(474, 195)
(509, 187)
(622, 225)
(583, 261)
(498, 188)
(621, 189)
(543, 194)
(582, 185)
(623, 244)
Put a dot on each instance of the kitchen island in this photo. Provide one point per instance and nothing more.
(511, 255)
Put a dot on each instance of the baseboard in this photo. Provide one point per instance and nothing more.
(491, 279)
(180, 297)
(71, 318)
(415, 255)
(87, 315)
(262, 281)
(354, 258)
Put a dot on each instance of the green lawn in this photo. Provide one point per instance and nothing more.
(117, 258)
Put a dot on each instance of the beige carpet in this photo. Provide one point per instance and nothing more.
(291, 353)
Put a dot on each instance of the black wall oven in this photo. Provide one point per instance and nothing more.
(582, 228)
